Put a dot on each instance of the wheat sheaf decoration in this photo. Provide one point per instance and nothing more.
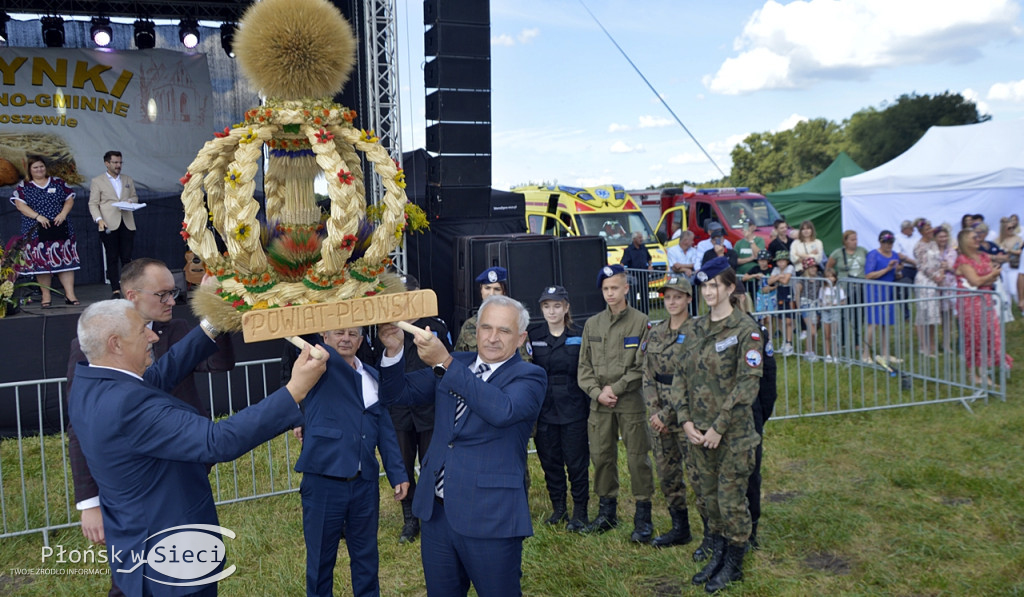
(299, 53)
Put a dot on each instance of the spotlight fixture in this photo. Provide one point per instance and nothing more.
(145, 34)
(188, 32)
(227, 38)
(53, 31)
(100, 31)
(3, 26)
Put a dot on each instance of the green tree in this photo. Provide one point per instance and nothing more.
(768, 161)
(877, 136)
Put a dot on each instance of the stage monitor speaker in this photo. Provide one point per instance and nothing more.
(454, 39)
(579, 260)
(446, 105)
(459, 138)
(470, 259)
(532, 267)
(458, 202)
(452, 72)
(459, 171)
(472, 12)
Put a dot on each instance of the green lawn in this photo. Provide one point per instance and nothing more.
(911, 501)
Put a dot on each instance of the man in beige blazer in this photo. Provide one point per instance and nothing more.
(116, 226)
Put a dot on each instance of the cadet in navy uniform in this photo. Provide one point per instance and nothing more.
(561, 437)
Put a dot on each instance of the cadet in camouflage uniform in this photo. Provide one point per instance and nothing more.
(493, 280)
(713, 395)
(610, 372)
(663, 353)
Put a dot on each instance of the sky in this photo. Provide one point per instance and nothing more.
(567, 107)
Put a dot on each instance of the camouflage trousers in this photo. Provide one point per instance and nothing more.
(673, 463)
(604, 430)
(722, 475)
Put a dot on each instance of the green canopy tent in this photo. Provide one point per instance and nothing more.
(818, 200)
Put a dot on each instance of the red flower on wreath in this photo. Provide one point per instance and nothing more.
(349, 242)
(349, 116)
(346, 177)
(323, 136)
(184, 232)
(227, 131)
(184, 179)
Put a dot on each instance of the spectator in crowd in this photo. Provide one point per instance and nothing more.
(611, 373)
(982, 345)
(683, 257)
(947, 255)
(345, 424)
(883, 264)
(805, 246)
(1000, 259)
(906, 239)
(930, 273)
(747, 249)
(848, 262)
(636, 255)
(662, 360)
(44, 202)
(781, 278)
(116, 225)
(831, 296)
(561, 437)
(718, 248)
(765, 293)
(708, 243)
(1010, 241)
(807, 289)
(781, 238)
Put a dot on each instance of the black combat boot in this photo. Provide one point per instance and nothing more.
(680, 532)
(714, 562)
(731, 570)
(642, 527)
(579, 520)
(559, 513)
(411, 528)
(752, 542)
(703, 551)
(607, 518)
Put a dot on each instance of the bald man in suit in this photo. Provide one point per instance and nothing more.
(116, 226)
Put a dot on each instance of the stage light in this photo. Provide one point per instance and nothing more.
(227, 38)
(188, 33)
(53, 31)
(145, 34)
(3, 26)
(101, 32)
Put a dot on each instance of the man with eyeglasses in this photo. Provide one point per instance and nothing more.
(150, 286)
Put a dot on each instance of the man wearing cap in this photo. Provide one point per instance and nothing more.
(492, 281)
(611, 372)
(713, 229)
(719, 248)
(662, 359)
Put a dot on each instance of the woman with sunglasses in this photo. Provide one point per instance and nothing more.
(883, 264)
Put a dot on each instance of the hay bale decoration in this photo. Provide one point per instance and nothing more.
(302, 271)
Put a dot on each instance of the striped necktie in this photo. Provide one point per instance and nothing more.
(460, 410)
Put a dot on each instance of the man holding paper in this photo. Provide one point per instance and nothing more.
(116, 225)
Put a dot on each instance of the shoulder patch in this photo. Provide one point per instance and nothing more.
(643, 346)
(529, 348)
(755, 336)
(680, 338)
(753, 358)
(649, 325)
(769, 350)
(573, 341)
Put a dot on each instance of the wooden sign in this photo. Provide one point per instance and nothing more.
(279, 322)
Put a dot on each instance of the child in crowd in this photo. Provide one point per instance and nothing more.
(808, 288)
(764, 294)
(781, 276)
(830, 296)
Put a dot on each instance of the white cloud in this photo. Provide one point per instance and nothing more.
(503, 40)
(527, 35)
(592, 181)
(659, 98)
(792, 121)
(618, 128)
(623, 147)
(656, 167)
(797, 44)
(688, 158)
(1012, 91)
(974, 96)
(649, 122)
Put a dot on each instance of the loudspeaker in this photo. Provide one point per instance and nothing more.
(453, 72)
(459, 171)
(454, 138)
(579, 260)
(473, 12)
(459, 106)
(458, 202)
(531, 266)
(471, 258)
(452, 39)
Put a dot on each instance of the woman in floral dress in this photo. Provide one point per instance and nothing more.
(930, 272)
(979, 318)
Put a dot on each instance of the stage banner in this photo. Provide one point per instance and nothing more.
(72, 105)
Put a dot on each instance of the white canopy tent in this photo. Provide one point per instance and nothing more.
(951, 171)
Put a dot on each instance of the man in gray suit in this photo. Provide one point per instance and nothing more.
(116, 226)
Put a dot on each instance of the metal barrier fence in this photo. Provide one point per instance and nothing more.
(823, 371)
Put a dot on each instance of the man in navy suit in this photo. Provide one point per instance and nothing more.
(345, 423)
(486, 403)
(146, 449)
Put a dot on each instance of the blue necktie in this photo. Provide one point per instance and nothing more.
(460, 409)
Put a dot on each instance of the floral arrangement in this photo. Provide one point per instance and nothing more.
(12, 260)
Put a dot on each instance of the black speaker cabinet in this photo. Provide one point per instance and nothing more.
(532, 267)
(459, 138)
(459, 171)
(454, 72)
(459, 106)
(455, 39)
(472, 12)
(458, 202)
(579, 260)
(471, 258)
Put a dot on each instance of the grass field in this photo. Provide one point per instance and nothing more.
(912, 501)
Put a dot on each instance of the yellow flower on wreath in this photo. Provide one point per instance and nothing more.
(242, 232)
(233, 177)
(248, 137)
(368, 136)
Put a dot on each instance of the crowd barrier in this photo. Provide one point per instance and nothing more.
(866, 361)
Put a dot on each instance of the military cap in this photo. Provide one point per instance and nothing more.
(492, 275)
(712, 268)
(608, 271)
(679, 283)
(554, 293)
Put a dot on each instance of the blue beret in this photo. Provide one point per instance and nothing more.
(492, 275)
(608, 271)
(712, 268)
